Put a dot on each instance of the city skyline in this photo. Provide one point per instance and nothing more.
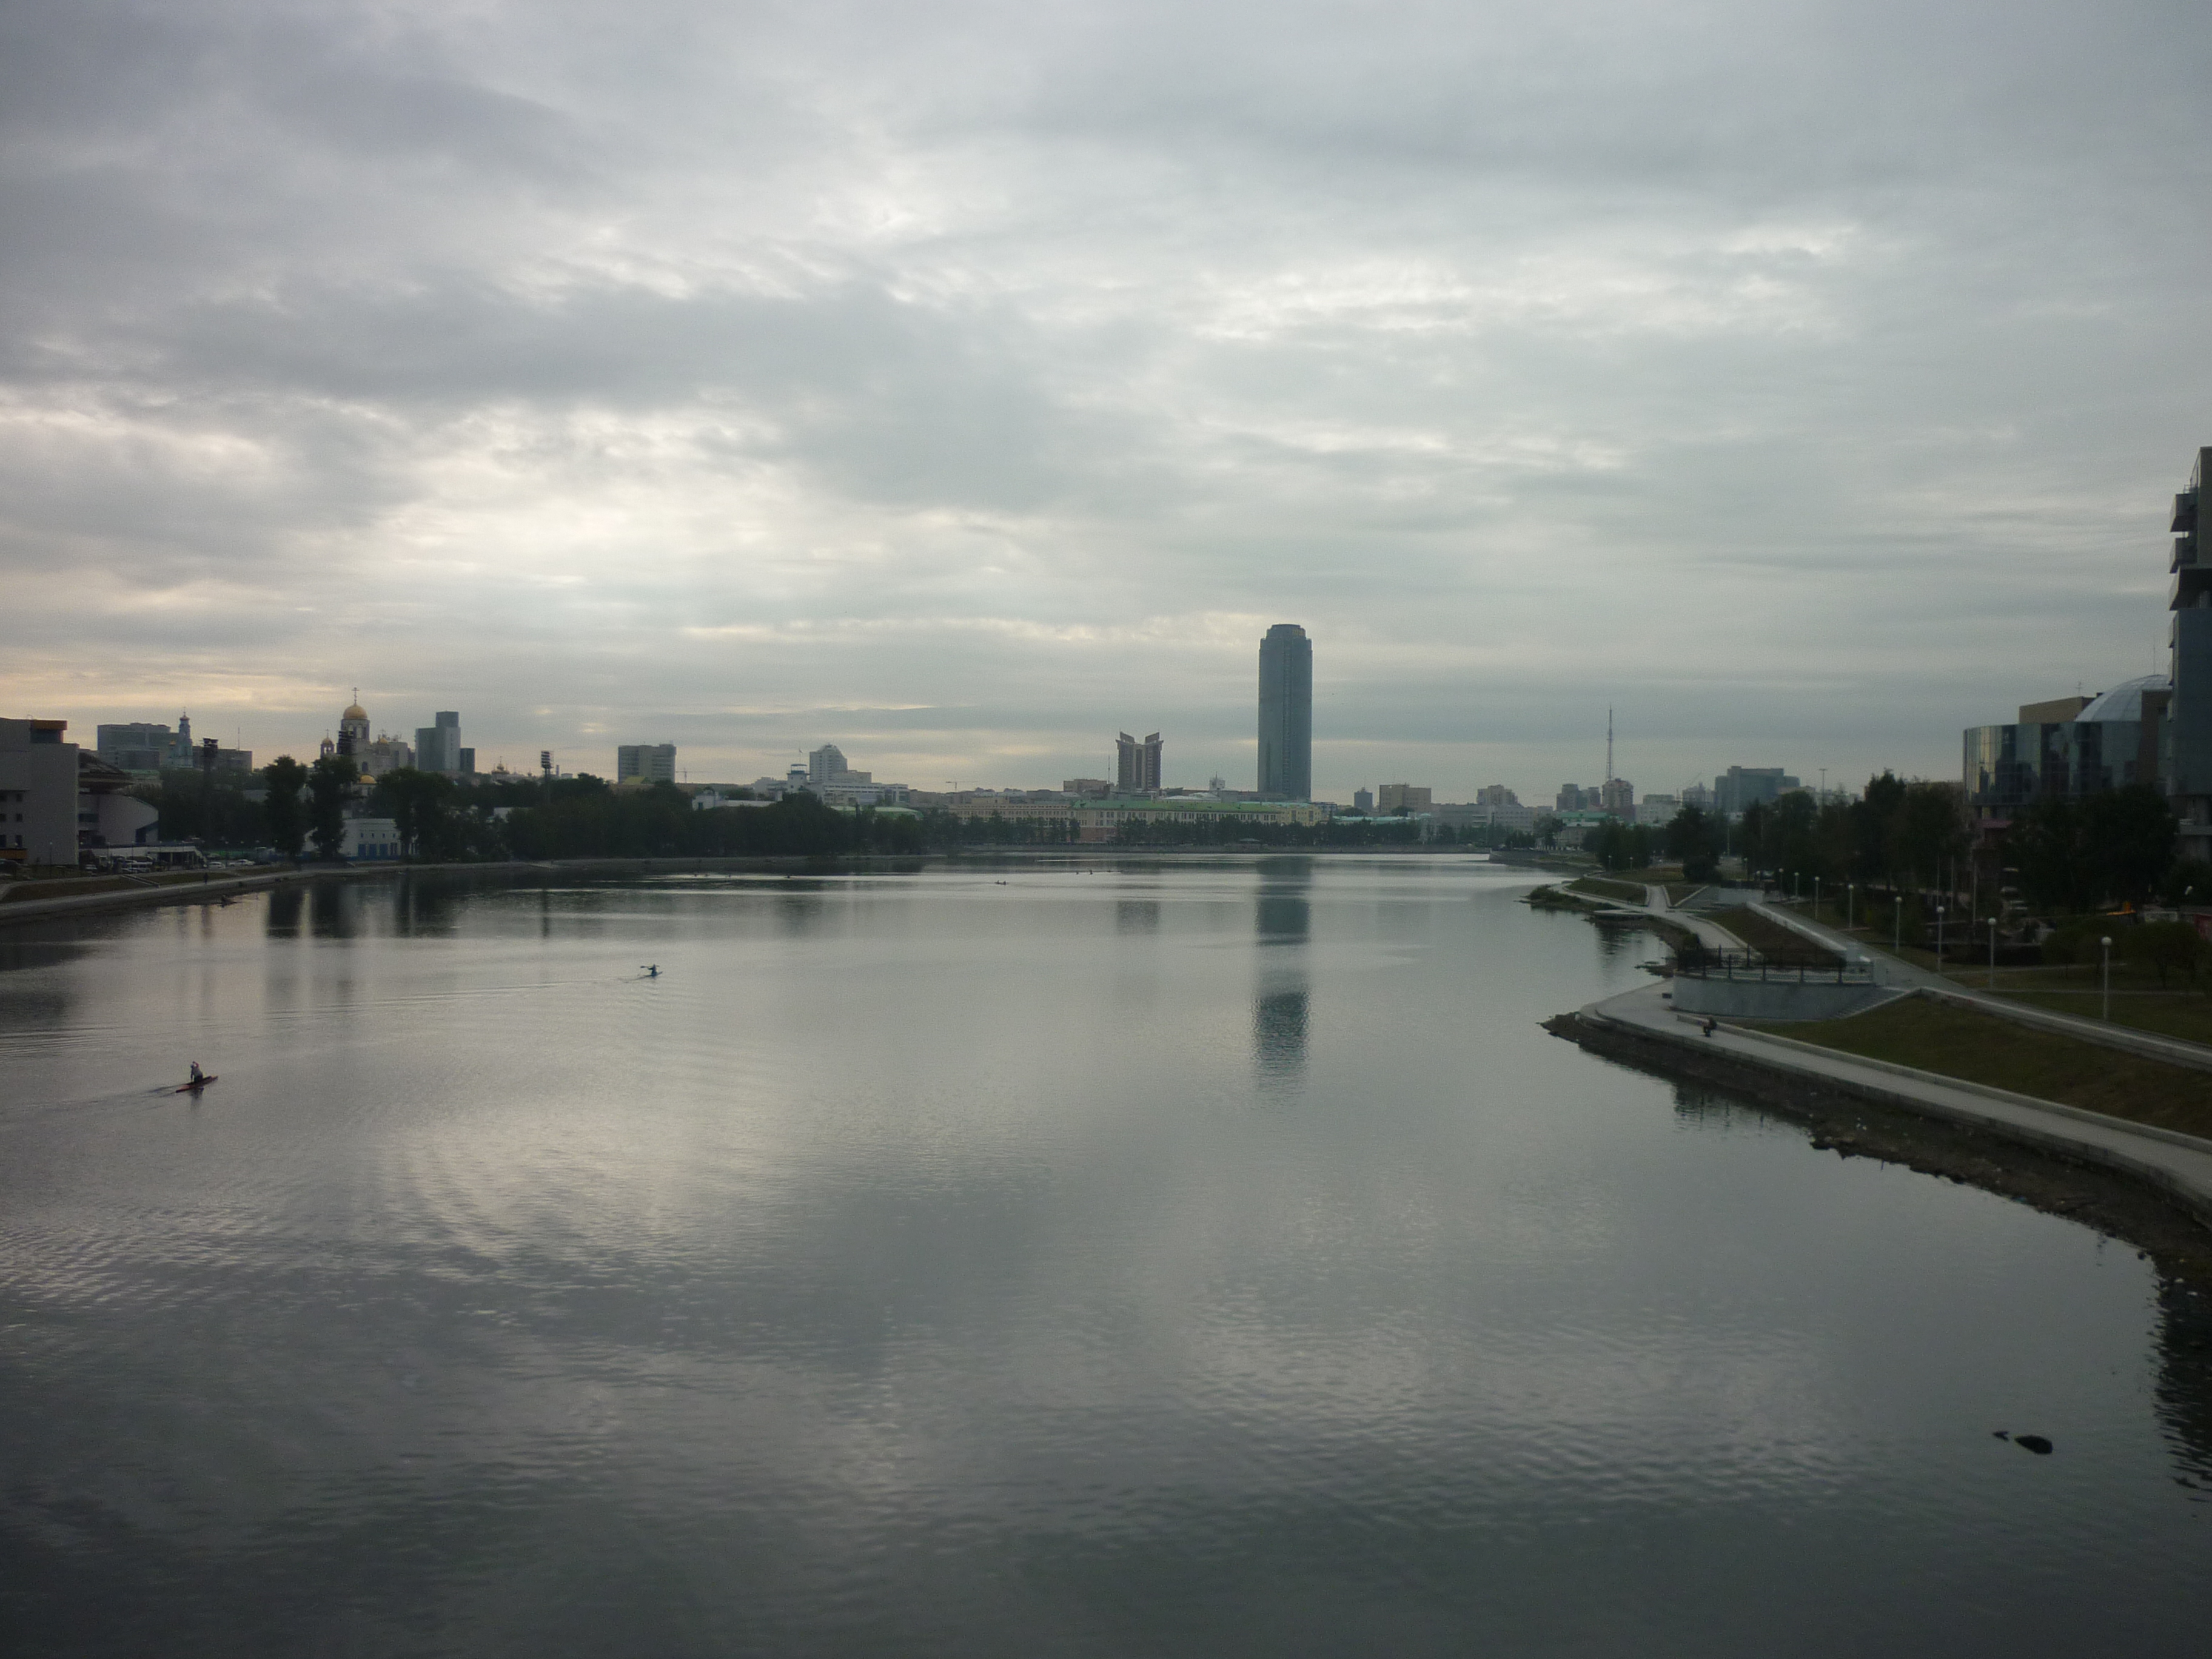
(1823, 397)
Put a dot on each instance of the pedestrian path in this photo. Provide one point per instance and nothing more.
(2177, 1165)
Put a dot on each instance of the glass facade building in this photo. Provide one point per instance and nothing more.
(2114, 741)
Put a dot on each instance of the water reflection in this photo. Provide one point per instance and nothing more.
(2185, 1375)
(1282, 920)
(1136, 915)
(286, 906)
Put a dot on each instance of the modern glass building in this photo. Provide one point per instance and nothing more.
(1286, 713)
(2110, 741)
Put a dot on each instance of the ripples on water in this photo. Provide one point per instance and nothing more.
(1148, 1257)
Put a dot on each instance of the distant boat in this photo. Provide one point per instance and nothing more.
(195, 1085)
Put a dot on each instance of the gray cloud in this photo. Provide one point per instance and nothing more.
(964, 383)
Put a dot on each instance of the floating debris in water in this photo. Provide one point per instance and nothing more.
(2034, 1443)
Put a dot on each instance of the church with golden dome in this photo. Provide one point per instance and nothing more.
(382, 753)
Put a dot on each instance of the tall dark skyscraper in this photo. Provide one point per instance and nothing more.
(1286, 713)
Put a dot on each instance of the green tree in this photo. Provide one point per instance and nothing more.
(1693, 837)
(1927, 831)
(416, 803)
(328, 781)
(287, 824)
(2130, 834)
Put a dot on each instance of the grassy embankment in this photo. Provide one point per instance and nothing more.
(1608, 887)
(2175, 1009)
(1990, 1049)
(1772, 940)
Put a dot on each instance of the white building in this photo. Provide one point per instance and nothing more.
(370, 839)
(1657, 811)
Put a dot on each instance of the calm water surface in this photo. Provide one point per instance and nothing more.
(1137, 1258)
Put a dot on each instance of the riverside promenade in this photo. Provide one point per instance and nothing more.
(1642, 1023)
(1888, 970)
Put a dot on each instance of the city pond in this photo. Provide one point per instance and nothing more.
(1081, 1256)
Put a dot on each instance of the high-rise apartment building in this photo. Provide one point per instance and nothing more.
(1136, 765)
(645, 762)
(2187, 749)
(1618, 797)
(1286, 713)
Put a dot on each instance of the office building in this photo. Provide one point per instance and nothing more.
(1286, 713)
(438, 746)
(1657, 810)
(2066, 747)
(645, 762)
(1363, 802)
(135, 746)
(1085, 786)
(1136, 765)
(1618, 797)
(1394, 798)
(1742, 787)
(2186, 746)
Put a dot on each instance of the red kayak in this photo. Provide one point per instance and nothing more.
(195, 1085)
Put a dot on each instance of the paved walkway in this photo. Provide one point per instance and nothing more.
(1710, 935)
(2179, 1165)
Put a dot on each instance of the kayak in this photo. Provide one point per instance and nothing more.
(196, 1086)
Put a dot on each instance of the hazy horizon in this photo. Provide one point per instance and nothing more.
(963, 385)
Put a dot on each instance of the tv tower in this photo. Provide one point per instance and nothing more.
(1608, 745)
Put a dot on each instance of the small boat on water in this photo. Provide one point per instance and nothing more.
(195, 1085)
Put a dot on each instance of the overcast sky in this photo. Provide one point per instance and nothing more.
(965, 383)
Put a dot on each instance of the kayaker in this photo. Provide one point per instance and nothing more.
(198, 1076)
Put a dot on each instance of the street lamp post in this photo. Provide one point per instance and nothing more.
(1897, 933)
(1993, 953)
(2107, 942)
(1939, 939)
(1816, 898)
(1851, 898)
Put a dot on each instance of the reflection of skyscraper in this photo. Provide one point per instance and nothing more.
(1286, 713)
(1136, 765)
(1282, 918)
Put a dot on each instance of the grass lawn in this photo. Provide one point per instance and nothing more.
(1987, 1048)
(1772, 940)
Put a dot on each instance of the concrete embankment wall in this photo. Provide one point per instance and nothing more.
(1778, 998)
(2177, 1167)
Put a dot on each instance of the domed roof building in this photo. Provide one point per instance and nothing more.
(2069, 746)
(2124, 701)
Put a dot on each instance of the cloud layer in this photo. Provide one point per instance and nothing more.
(963, 382)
